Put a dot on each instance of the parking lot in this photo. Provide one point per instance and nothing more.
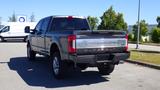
(16, 73)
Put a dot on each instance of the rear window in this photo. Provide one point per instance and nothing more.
(70, 24)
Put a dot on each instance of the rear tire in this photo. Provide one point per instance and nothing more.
(59, 67)
(30, 53)
(106, 69)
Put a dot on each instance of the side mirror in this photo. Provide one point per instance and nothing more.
(33, 31)
(27, 29)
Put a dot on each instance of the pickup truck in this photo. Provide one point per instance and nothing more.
(69, 42)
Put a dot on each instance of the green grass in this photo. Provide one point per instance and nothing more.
(146, 56)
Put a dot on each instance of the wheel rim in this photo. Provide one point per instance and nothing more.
(56, 65)
(28, 51)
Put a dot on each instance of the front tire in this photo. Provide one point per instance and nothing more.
(25, 39)
(1, 39)
(30, 53)
(106, 69)
(59, 67)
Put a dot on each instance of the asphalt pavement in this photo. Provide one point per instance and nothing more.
(17, 73)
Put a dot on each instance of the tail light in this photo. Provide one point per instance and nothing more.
(126, 47)
(71, 44)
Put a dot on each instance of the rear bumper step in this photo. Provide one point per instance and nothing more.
(102, 58)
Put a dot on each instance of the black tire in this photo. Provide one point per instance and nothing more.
(25, 39)
(59, 67)
(31, 55)
(106, 69)
(1, 39)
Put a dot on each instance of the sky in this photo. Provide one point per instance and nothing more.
(96, 8)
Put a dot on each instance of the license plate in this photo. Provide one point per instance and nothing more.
(102, 57)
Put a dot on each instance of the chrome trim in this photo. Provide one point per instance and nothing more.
(101, 43)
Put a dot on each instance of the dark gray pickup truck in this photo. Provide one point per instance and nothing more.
(69, 42)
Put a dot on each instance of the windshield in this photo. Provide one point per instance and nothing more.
(70, 24)
(4, 29)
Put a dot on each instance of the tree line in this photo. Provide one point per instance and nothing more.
(110, 20)
(13, 18)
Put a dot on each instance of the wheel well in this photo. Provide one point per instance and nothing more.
(28, 43)
(25, 39)
(54, 48)
(1, 37)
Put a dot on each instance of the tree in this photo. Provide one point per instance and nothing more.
(32, 18)
(155, 35)
(120, 23)
(12, 18)
(93, 21)
(135, 29)
(158, 21)
(130, 37)
(143, 29)
(112, 21)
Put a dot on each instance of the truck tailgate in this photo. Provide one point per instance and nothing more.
(90, 42)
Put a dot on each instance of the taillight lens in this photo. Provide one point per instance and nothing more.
(71, 44)
(126, 48)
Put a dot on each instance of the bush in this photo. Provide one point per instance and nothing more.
(130, 37)
(155, 35)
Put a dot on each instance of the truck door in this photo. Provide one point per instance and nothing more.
(41, 35)
(35, 36)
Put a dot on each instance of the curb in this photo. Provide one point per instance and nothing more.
(144, 64)
(144, 50)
